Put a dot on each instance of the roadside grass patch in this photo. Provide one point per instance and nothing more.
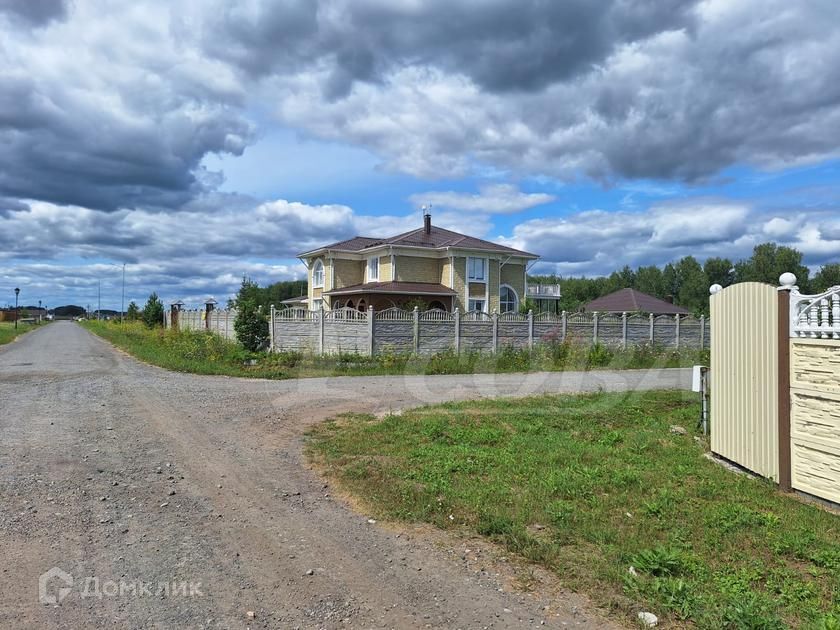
(8, 332)
(202, 352)
(592, 485)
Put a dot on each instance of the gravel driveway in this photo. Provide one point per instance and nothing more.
(128, 478)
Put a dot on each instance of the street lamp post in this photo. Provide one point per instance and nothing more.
(122, 307)
(17, 292)
(39, 311)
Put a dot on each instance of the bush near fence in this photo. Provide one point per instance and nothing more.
(429, 332)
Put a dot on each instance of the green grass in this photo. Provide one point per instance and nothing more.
(204, 353)
(591, 485)
(8, 332)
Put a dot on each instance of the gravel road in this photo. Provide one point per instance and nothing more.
(128, 478)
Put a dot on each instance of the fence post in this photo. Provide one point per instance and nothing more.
(416, 330)
(371, 319)
(624, 331)
(702, 331)
(784, 401)
(321, 330)
(563, 326)
(651, 329)
(495, 319)
(271, 329)
(457, 330)
(677, 330)
(531, 327)
(594, 327)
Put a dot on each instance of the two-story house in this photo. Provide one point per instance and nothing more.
(442, 268)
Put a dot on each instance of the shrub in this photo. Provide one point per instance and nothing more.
(251, 325)
(153, 311)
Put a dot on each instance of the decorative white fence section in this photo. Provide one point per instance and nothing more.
(814, 391)
(217, 321)
(815, 316)
(399, 331)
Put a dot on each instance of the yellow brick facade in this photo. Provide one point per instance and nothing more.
(385, 272)
(514, 276)
(445, 272)
(348, 272)
(493, 286)
(459, 281)
(414, 269)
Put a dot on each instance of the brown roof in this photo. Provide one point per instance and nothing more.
(630, 301)
(408, 288)
(437, 239)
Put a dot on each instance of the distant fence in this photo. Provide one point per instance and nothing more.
(218, 321)
(427, 332)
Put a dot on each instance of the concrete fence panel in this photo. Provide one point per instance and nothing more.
(513, 330)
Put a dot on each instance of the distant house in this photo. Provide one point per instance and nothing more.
(632, 301)
(441, 268)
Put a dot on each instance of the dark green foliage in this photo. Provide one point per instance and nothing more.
(687, 282)
(828, 276)
(719, 271)
(133, 312)
(251, 323)
(272, 294)
(153, 311)
(768, 262)
(69, 310)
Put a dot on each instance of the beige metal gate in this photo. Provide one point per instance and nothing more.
(745, 376)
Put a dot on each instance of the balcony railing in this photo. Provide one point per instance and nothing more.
(544, 291)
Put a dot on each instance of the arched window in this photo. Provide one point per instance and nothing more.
(508, 300)
(318, 274)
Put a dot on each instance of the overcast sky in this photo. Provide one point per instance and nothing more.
(200, 140)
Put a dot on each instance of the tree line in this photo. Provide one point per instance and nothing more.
(687, 282)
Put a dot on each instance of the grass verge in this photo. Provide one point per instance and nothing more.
(8, 332)
(592, 485)
(205, 353)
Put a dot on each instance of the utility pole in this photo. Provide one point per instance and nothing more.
(122, 305)
(99, 300)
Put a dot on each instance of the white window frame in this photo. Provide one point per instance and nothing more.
(484, 267)
(316, 284)
(471, 301)
(515, 308)
(369, 265)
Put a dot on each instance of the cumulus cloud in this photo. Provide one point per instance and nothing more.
(110, 109)
(107, 110)
(501, 46)
(704, 87)
(596, 242)
(192, 281)
(491, 199)
(204, 249)
(34, 12)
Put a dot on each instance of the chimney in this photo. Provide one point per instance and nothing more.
(669, 299)
(427, 219)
